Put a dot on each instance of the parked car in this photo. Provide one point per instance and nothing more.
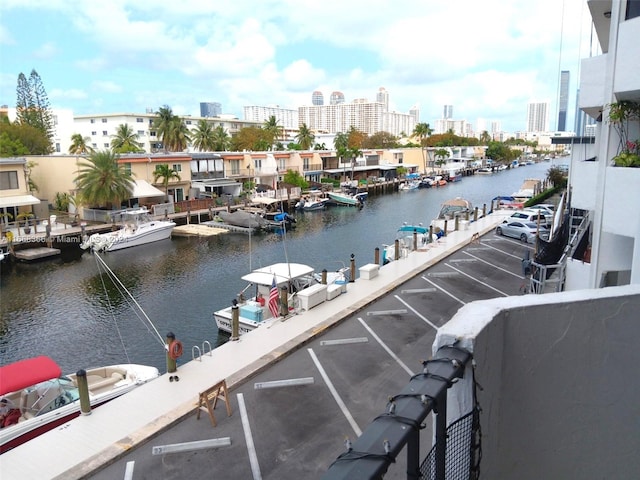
(546, 209)
(524, 231)
(530, 216)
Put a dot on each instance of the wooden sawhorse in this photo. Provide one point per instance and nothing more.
(209, 398)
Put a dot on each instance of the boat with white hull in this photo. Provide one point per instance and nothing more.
(138, 228)
(254, 312)
(39, 398)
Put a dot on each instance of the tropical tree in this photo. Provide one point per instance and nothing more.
(305, 137)
(275, 131)
(80, 145)
(353, 152)
(341, 140)
(252, 139)
(171, 130)
(422, 131)
(221, 139)
(102, 181)
(356, 137)
(203, 137)
(441, 154)
(33, 107)
(167, 174)
(125, 140)
(293, 177)
(485, 138)
(380, 140)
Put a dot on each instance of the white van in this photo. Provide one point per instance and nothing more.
(529, 216)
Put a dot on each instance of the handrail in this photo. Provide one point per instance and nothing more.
(193, 350)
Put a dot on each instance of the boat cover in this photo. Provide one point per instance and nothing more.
(25, 373)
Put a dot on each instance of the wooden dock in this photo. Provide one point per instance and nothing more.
(31, 254)
(197, 230)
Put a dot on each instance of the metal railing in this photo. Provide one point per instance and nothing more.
(371, 455)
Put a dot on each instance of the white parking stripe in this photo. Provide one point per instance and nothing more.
(478, 281)
(253, 457)
(387, 349)
(494, 266)
(444, 291)
(334, 392)
(422, 317)
(507, 253)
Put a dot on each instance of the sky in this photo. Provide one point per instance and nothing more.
(486, 58)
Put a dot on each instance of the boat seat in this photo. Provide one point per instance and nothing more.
(97, 382)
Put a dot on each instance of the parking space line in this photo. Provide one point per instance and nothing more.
(443, 290)
(495, 266)
(253, 457)
(385, 347)
(422, 317)
(507, 253)
(334, 392)
(478, 281)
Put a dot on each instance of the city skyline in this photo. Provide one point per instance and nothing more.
(131, 56)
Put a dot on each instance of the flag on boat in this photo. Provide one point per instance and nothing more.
(274, 299)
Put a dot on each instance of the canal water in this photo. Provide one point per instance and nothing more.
(66, 309)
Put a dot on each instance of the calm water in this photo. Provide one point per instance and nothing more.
(62, 308)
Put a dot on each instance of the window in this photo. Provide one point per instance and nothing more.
(106, 145)
(9, 180)
(93, 120)
(305, 164)
(104, 120)
(141, 133)
(282, 165)
(57, 147)
(104, 133)
(140, 120)
(257, 163)
(127, 168)
(94, 145)
(177, 167)
(188, 122)
(94, 133)
(235, 167)
(152, 134)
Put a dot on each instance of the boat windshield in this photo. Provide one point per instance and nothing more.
(50, 395)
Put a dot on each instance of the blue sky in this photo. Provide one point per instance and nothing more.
(486, 58)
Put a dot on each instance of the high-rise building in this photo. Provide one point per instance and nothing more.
(415, 113)
(447, 112)
(538, 117)
(317, 98)
(287, 118)
(336, 98)
(383, 97)
(563, 101)
(210, 109)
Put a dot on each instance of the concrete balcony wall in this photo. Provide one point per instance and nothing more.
(615, 253)
(592, 79)
(584, 177)
(577, 275)
(560, 383)
(617, 217)
(627, 79)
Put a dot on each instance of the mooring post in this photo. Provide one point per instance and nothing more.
(235, 321)
(484, 209)
(445, 228)
(376, 256)
(475, 214)
(396, 252)
(455, 227)
(430, 239)
(353, 268)
(83, 391)
(284, 302)
(324, 276)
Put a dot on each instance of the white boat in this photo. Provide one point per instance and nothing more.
(138, 228)
(405, 238)
(39, 398)
(340, 198)
(255, 311)
(450, 210)
(312, 201)
(409, 186)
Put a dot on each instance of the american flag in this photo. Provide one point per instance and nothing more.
(274, 299)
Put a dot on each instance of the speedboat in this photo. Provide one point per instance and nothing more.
(265, 284)
(340, 198)
(311, 202)
(405, 238)
(409, 185)
(138, 228)
(38, 398)
(450, 210)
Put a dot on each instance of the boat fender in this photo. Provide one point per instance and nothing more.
(175, 349)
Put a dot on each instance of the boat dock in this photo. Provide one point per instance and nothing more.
(291, 407)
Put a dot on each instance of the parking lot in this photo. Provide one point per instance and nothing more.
(291, 420)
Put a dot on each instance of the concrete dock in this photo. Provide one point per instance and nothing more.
(374, 337)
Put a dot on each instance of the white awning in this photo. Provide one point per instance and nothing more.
(143, 189)
(18, 201)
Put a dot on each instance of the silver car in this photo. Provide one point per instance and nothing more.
(524, 231)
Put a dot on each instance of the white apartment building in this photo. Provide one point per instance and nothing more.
(538, 117)
(101, 128)
(598, 187)
(287, 118)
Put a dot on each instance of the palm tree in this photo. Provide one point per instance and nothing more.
(204, 137)
(171, 130)
(341, 141)
(305, 137)
(275, 130)
(354, 152)
(102, 181)
(80, 145)
(422, 131)
(125, 140)
(221, 139)
(167, 174)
